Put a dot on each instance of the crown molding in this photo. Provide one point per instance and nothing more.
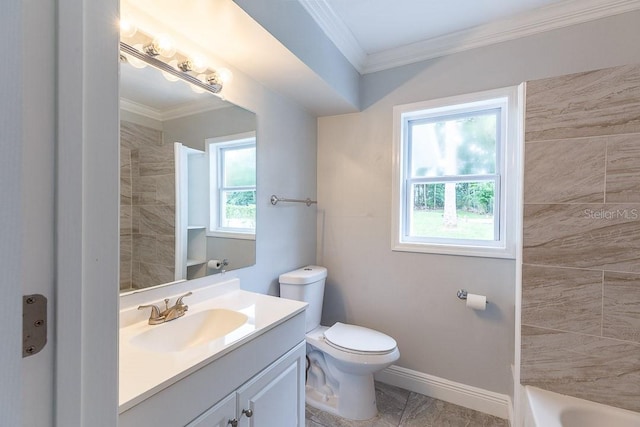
(140, 109)
(554, 16)
(170, 113)
(548, 18)
(337, 31)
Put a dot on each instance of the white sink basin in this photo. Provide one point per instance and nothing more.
(191, 330)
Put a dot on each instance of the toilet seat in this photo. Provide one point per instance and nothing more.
(358, 340)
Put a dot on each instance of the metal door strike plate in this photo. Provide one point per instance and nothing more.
(34, 324)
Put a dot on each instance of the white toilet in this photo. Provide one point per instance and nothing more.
(342, 358)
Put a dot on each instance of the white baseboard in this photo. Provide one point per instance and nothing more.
(470, 397)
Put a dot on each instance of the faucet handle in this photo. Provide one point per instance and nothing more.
(155, 316)
(179, 301)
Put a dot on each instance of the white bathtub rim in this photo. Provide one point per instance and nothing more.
(546, 407)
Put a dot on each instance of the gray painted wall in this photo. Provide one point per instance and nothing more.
(412, 296)
(290, 23)
(192, 130)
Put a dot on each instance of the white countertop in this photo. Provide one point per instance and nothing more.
(144, 373)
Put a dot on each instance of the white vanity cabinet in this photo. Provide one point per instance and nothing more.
(274, 397)
(265, 375)
(221, 415)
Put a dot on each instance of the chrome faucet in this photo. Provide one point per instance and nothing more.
(169, 313)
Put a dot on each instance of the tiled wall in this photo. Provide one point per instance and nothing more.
(147, 208)
(581, 272)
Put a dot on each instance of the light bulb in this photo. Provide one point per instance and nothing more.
(170, 76)
(166, 46)
(161, 45)
(198, 63)
(225, 75)
(127, 28)
(135, 62)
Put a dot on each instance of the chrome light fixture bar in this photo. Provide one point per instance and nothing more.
(213, 85)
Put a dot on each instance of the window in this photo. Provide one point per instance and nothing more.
(454, 175)
(232, 163)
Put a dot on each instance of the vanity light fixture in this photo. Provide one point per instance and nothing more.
(160, 51)
(160, 46)
(197, 64)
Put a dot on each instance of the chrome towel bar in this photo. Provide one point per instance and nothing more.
(275, 199)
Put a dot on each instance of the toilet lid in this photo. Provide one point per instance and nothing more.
(357, 338)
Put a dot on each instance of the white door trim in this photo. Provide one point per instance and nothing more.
(10, 215)
(86, 391)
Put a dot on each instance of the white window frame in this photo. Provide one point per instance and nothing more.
(214, 147)
(508, 163)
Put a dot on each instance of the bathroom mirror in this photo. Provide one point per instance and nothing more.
(187, 180)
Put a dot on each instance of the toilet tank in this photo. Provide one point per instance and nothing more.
(306, 284)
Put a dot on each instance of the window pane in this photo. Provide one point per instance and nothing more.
(459, 145)
(239, 209)
(239, 167)
(462, 210)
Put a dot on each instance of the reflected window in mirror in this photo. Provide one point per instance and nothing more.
(232, 162)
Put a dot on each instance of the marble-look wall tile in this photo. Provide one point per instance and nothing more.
(623, 169)
(166, 250)
(166, 189)
(602, 102)
(593, 368)
(125, 262)
(142, 184)
(135, 219)
(133, 135)
(126, 220)
(147, 198)
(156, 160)
(144, 248)
(150, 193)
(157, 220)
(621, 306)
(567, 223)
(156, 154)
(149, 274)
(565, 171)
(590, 236)
(562, 298)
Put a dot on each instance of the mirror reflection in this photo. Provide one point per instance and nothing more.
(187, 180)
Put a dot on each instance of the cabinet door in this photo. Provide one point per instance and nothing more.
(219, 415)
(275, 397)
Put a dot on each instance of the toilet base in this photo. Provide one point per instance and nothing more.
(355, 400)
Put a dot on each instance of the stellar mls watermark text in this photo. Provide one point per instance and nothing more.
(612, 214)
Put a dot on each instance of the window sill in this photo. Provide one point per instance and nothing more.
(469, 251)
(231, 235)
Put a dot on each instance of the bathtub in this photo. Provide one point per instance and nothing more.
(547, 409)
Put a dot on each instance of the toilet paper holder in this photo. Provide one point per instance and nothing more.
(462, 294)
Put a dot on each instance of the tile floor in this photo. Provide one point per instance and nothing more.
(402, 408)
